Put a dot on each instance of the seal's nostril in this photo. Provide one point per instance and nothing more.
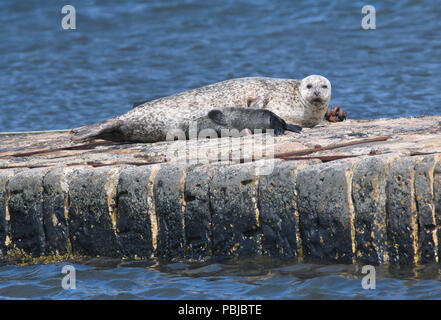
(317, 93)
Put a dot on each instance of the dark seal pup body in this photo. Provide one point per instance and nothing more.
(302, 102)
(240, 119)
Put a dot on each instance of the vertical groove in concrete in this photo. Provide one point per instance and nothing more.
(414, 217)
(424, 197)
(211, 211)
(26, 211)
(55, 211)
(299, 239)
(402, 211)
(437, 161)
(152, 204)
(7, 229)
(349, 177)
(5, 175)
(66, 216)
(437, 201)
(111, 189)
(183, 207)
(417, 227)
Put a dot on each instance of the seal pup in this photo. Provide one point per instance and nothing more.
(302, 102)
(243, 120)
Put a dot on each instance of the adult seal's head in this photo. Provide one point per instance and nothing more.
(315, 91)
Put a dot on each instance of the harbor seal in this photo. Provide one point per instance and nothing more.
(241, 119)
(301, 102)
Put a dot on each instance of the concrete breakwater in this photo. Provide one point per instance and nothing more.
(359, 191)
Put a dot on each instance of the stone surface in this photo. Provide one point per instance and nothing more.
(198, 211)
(91, 224)
(326, 213)
(402, 210)
(26, 211)
(5, 175)
(55, 210)
(136, 211)
(235, 217)
(424, 195)
(170, 208)
(279, 216)
(406, 135)
(369, 198)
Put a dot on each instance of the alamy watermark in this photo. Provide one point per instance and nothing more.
(369, 20)
(70, 278)
(368, 282)
(69, 20)
(234, 147)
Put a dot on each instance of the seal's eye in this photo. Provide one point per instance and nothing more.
(324, 86)
(309, 86)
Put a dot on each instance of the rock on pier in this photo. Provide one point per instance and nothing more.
(365, 191)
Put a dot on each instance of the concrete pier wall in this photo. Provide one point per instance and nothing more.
(379, 202)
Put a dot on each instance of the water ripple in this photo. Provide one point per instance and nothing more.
(260, 278)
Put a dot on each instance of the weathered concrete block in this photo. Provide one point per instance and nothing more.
(5, 175)
(55, 211)
(26, 210)
(198, 211)
(235, 220)
(91, 224)
(326, 213)
(369, 198)
(401, 206)
(424, 183)
(170, 207)
(136, 211)
(279, 216)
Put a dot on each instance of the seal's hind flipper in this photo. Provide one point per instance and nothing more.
(293, 128)
(138, 103)
(218, 117)
(107, 130)
(276, 123)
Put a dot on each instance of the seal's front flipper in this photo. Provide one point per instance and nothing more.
(218, 117)
(293, 128)
(107, 130)
(257, 103)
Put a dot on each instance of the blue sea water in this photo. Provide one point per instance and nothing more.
(127, 51)
(261, 278)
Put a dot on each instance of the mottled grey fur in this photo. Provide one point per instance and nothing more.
(303, 102)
